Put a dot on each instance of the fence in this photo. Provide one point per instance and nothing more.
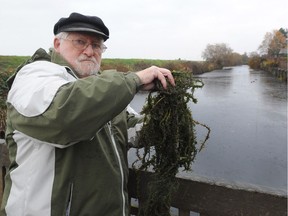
(212, 200)
(203, 198)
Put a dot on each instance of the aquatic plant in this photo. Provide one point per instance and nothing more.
(169, 140)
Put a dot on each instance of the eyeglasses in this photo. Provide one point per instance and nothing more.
(82, 45)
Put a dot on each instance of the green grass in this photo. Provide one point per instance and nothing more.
(10, 63)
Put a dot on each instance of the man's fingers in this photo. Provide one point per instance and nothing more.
(165, 73)
(148, 76)
(170, 78)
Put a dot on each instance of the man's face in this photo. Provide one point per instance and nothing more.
(83, 51)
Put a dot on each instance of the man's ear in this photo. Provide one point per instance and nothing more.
(56, 44)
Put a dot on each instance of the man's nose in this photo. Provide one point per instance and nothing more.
(89, 50)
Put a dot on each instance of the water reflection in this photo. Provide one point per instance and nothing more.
(247, 113)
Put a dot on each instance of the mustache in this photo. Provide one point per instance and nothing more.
(85, 58)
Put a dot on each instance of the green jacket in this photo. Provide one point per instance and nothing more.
(67, 140)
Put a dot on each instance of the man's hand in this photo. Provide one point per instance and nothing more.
(148, 75)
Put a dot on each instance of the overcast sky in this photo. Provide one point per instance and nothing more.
(148, 29)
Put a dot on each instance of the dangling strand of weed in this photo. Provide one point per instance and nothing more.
(169, 140)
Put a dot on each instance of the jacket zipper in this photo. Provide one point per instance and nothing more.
(68, 208)
(121, 167)
(118, 157)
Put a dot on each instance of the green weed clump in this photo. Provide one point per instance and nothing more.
(169, 140)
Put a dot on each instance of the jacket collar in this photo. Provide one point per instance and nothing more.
(58, 59)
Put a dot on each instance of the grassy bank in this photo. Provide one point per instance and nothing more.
(8, 65)
(124, 65)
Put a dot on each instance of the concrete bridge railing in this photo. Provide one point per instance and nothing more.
(195, 196)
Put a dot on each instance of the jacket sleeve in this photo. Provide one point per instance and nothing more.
(78, 109)
(135, 123)
(133, 118)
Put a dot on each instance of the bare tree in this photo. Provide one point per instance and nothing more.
(273, 42)
(218, 53)
(264, 46)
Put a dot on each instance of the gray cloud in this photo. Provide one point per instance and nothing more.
(163, 29)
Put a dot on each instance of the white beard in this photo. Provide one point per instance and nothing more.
(86, 66)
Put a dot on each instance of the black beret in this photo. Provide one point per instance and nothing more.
(78, 22)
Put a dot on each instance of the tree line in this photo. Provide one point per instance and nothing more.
(271, 52)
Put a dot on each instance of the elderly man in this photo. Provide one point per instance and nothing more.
(67, 126)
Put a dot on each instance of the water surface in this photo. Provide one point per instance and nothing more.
(247, 113)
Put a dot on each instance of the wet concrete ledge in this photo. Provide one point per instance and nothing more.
(202, 197)
(215, 200)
